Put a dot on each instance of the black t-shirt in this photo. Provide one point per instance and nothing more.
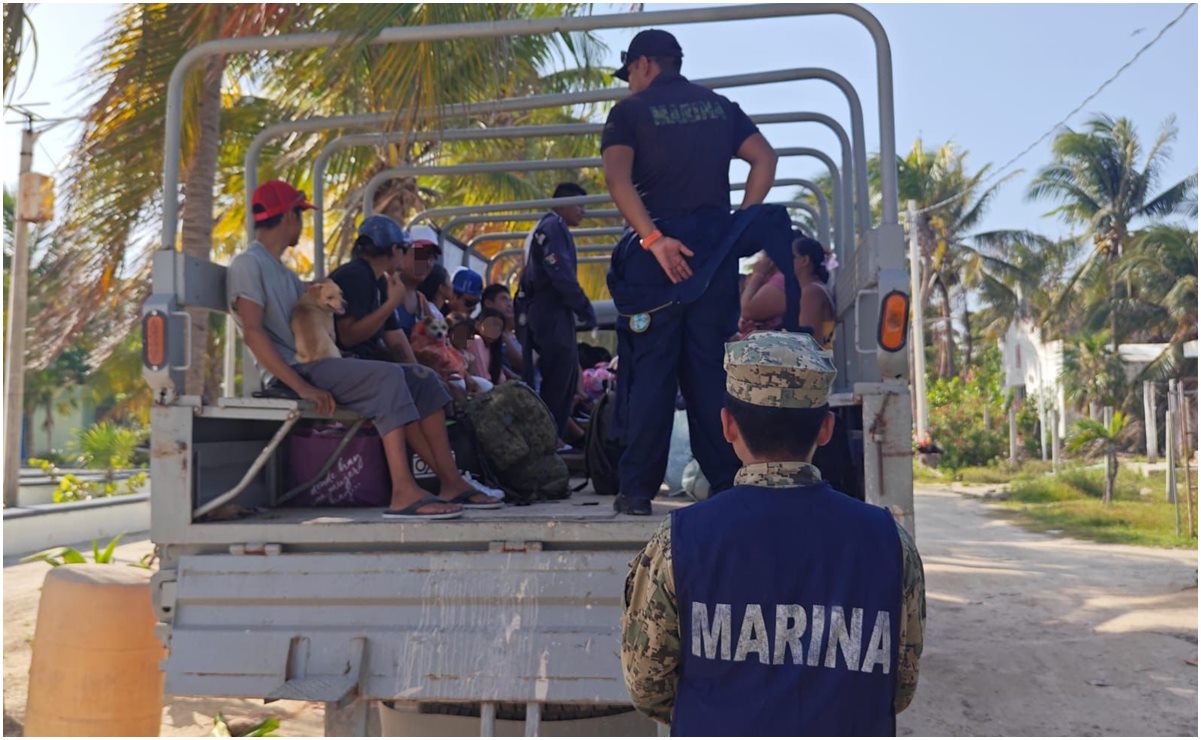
(361, 290)
(683, 136)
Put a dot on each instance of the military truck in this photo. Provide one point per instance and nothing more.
(509, 618)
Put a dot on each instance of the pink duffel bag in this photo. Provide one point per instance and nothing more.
(359, 477)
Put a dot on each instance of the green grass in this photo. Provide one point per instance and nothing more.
(1000, 472)
(923, 474)
(1071, 502)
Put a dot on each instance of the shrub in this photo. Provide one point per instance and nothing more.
(958, 407)
(108, 446)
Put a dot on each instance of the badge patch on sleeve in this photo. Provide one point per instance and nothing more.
(551, 259)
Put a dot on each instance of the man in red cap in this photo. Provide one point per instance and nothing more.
(261, 293)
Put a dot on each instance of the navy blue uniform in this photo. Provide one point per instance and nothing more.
(790, 610)
(672, 335)
(550, 301)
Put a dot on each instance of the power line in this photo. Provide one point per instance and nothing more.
(1068, 117)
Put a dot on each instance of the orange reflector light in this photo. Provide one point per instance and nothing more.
(894, 322)
(154, 340)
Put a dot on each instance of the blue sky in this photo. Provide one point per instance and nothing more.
(992, 78)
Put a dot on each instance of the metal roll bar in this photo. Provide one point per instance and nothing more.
(843, 140)
(818, 73)
(541, 165)
(583, 200)
(842, 216)
(500, 236)
(505, 105)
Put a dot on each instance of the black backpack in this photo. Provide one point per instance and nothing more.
(601, 451)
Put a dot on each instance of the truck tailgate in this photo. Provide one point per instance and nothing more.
(489, 625)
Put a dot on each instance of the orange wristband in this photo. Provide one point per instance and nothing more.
(650, 239)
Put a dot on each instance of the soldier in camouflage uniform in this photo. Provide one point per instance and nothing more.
(840, 581)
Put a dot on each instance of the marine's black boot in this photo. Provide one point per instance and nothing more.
(623, 504)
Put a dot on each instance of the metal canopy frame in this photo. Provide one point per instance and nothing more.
(505, 105)
(545, 101)
(467, 168)
(373, 120)
(842, 216)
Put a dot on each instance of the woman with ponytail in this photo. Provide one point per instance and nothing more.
(812, 265)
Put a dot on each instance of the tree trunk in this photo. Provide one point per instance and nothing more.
(1111, 471)
(947, 364)
(48, 426)
(967, 336)
(1115, 251)
(196, 215)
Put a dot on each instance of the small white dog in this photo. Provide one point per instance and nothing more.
(313, 322)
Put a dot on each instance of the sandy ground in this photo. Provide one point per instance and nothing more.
(1031, 634)
(1027, 634)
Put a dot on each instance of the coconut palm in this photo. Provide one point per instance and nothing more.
(1161, 270)
(1088, 431)
(1093, 375)
(16, 23)
(113, 199)
(1103, 183)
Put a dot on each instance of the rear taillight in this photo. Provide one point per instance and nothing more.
(154, 340)
(894, 321)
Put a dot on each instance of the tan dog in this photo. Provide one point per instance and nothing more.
(313, 322)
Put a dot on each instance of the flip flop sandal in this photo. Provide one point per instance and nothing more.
(409, 513)
(464, 499)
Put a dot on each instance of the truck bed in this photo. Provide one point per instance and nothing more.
(583, 520)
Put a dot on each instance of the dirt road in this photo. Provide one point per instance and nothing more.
(1027, 634)
(1031, 634)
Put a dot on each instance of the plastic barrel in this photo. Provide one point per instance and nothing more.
(95, 667)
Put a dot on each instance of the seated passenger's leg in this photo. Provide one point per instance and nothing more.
(378, 391)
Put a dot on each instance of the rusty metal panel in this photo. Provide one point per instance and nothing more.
(491, 626)
(888, 448)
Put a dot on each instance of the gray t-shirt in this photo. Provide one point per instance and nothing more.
(259, 277)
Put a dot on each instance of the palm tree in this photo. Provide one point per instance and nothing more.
(16, 21)
(115, 173)
(1024, 285)
(1161, 270)
(1089, 431)
(951, 202)
(1101, 184)
(1092, 372)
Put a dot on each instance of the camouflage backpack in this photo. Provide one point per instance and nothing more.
(517, 435)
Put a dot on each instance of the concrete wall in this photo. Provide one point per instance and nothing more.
(29, 529)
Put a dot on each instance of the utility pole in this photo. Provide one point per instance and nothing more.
(921, 418)
(18, 292)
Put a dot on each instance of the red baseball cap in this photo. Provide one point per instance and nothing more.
(275, 197)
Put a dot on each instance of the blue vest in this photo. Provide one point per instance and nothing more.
(790, 610)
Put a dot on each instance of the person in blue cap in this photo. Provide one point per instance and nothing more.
(674, 275)
(468, 288)
(550, 300)
(371, 330)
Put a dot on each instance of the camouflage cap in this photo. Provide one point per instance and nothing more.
(781, 369)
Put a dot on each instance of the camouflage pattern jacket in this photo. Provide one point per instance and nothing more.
(650, 628)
